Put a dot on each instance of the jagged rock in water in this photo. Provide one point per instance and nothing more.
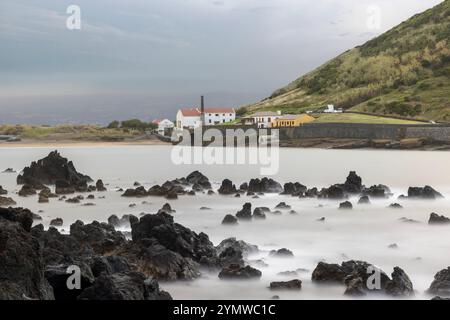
(139, 192)
(101, 265)
(347, 205)
(230, 220)
(245, 213)
(7, 202)
(426, 192)
(197, 178)
(236, 271)
(101, 237)
(335, 192)
(283, 206)
(27, 190)
(58, 222)
(286, 285)
(259, 213)
(377, 191)
(243, 186)
(64, 187)
(353, 184)
(21, 264)
(125, 222)
(364, 200)
(294, 189)
(441, 283)
(282, 253)
(227, 187)
(400, 285)
(437, 219)
(3, 192)
(167, 208)
(124, 286)
(264, 185)
(326, 272)
(239, 245)
(9, 170)
(51, 169)
(100, 186)
(395, 206)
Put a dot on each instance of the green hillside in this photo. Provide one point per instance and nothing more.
(404, 72)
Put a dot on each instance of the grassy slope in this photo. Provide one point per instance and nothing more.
(405, 71)
(360, 118)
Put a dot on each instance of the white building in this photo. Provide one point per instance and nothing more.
(191, 118)
(330, 109)
(164, 125)
(265, 119)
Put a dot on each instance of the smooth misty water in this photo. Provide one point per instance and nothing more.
(364, 233)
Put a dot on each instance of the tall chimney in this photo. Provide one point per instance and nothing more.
(202, 110)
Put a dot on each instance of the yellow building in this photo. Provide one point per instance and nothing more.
(292, 120)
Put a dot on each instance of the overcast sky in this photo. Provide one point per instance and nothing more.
(147, 58)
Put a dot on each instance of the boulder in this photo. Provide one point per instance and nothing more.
(50, 169)
(21, 264)
(124, 222)
(437, 219)
(326, 272)
(283, 206)
(167, 208)
(282, 253)
(441, 283)
(64, 187)
(7, 202)
(353, 184)
(335, 192)
(426, 192)
(230, 220)
(259, 213)
(27, 190)
(376, 191)
(198, 179)
(124, 286)
(245, 213)
(100, 186)
(400, 285)
(236, 271)
(101, 265)
(3, 192)
(294, 189)
(395, 206)
(286, 285)
(139, 192)
(58, 222)
(364, 200)
(347, 205)
(265, 185)
(245, 248)
(227, 187)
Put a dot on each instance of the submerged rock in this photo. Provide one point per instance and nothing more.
(395, 206)
(294, 189)
(100, 186)
(58, 222)
(3, 192)
(286, 285)
(6, 202)
(347, 205)
(236, 271)
(364, 200)
(230, 220)
(282, 253)
(283, 206)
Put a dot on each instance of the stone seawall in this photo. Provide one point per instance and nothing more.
(366, 131)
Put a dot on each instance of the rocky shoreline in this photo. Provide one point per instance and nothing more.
(115, 265)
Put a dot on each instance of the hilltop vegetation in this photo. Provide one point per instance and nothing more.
(404, 72)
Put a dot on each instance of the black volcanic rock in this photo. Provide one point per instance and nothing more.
(197, 178)
(364, 200)
(441, 283)
(21, 264)
(347, 205)
(286, 285)
(236, 271)
(353, 184)
(437, 219)
(264, 185)
(245, 213)
(50, 169)
(294, 189)
(124, 222)
(124, 286)
(3, 192)
(282, 253)
(229, 220)
(400, 285)
(326, 272)
(100, 186)
(27, 190)
(7, 202)
(58, 222)
(227, 187)
(139, 192)
(259, 213)
(335, 192)
(426, 192)
(376, 191)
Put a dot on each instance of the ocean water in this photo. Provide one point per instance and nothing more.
(365, 233)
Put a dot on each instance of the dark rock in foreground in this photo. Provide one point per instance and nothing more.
(236, 271)
(124, 286)
(326, 272)
(441, 283)
(286, 285)
(6, 202)
(21, 265)
(3, 192)
(51, 169)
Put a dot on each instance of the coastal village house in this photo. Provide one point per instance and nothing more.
(262, 119)
(292, 120)
(192, 117)
(164, 125)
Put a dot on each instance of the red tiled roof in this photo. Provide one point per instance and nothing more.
(191, 112)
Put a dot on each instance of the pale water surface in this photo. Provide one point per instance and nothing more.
(364, 233)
